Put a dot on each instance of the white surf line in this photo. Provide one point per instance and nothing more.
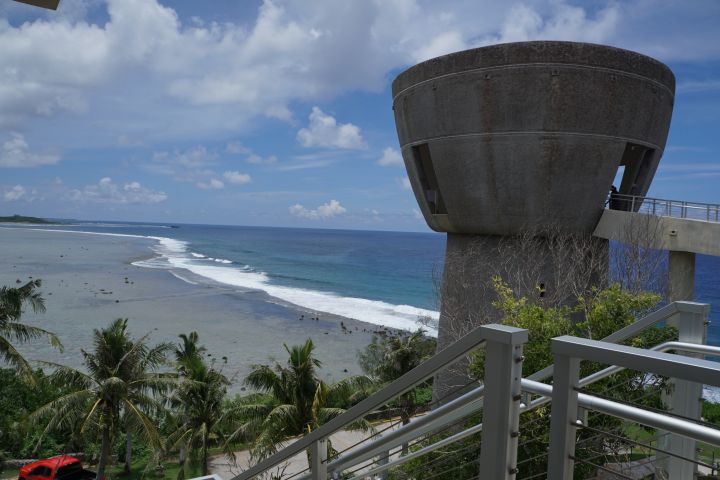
(375, 312)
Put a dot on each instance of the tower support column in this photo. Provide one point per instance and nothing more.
(681, 275)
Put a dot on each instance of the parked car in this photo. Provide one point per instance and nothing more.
(62, 467)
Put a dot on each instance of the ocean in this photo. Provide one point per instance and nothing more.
(383, 278)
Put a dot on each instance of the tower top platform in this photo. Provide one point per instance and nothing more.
(519, 136)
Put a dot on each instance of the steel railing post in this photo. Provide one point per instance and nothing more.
(318, 460)
(383, 459)
(501, 408)
(563, 417)
(686, 396)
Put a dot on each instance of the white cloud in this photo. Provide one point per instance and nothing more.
(404, 183)
(15, 193)
(237, 148)
(212, 184)
(197, 76)
(258, 160)
(324, 131)
(107, 191)
(390, 157)
(442, 44)
(16, 153)
(236, 177)
(324, 211)
(565, 22)
(184, 166)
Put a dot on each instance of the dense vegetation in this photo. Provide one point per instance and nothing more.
(165, 408)
(22, 219)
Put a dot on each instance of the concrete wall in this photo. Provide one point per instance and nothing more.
(667, 233)
(504, 140)
(526, 134)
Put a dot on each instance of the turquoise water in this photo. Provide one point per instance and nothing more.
(380, 277)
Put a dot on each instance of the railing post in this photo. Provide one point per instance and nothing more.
(383, 459)
(563, 418)
(686, 396)
(501, 407)
(318, 460)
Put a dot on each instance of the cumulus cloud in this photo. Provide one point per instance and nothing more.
(236, 177)
(324, 131)
(107, 191)
(226, 73)
(16, 153)
(324, 211)
(390, 157)
(212, 184)
(16, 193)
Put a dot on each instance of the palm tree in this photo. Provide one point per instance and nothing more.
(121, 378)
(303, 402)
(393, 357)
(12, 301)
(198, 401)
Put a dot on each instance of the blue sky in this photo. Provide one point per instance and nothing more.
(279, 112)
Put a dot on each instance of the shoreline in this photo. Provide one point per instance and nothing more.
(89, 280)
(175, 254)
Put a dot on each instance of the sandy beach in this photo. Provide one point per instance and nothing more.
(89, 280)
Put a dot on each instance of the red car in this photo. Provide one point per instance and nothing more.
(62, 467)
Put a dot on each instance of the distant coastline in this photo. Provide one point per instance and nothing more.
(24, 219)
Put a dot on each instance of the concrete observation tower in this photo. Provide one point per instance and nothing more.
(507, 139)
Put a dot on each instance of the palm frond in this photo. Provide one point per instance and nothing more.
(12, 357)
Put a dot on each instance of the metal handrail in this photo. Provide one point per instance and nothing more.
(638, 326)
(462, 406)
(688, 372)
(412, 430)
(446, 357)
(709, 212)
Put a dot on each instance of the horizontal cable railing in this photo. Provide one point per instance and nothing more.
(313, 440)
(566, 398)
(664, 208)
(491, 430)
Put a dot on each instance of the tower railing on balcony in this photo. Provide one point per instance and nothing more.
(477, 434)
(664, 208)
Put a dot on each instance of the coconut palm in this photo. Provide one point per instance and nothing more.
(391, 358)
(198, 403)
(121, 380)
(12, 302)
(303, 402)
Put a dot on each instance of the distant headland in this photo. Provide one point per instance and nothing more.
(22, 219)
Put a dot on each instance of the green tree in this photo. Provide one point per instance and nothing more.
(12, 303)
(389, 358)
(198, 404)
(596, 316)
(302, 401)
(121, 378)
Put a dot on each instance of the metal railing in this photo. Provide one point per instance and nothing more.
(663, 207)
(501, 401)
(566, 399)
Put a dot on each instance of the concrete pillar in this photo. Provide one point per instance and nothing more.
(541, 270)
(681, 275)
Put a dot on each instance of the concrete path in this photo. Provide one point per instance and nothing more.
(221, 465)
